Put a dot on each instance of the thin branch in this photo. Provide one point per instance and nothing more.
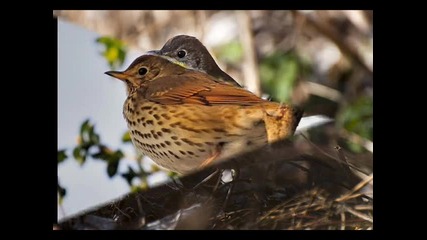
(353, 137)
(323, 91)
(334, 36)
(250, 65)
(359, 186)
(359, 214)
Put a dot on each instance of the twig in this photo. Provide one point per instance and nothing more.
(343, 221)
(359, 186)
(363, 207)
(323, 91)
(250, 65)
(201, 22)
(353, 137)
(333, 35)
(359, 214)
(319, 149)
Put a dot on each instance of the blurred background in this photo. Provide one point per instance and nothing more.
(321, 60)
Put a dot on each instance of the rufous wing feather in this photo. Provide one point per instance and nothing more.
(197, 88)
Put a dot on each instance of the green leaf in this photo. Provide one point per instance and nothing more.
(278, 73)
(115, 51)
(117, 156)
(138, 188)
(357, 117)
(354, 147)
(101, 155)
(61, 156)
(172, 174)
(88, 136)
(104, 153)
(154, 168)
(126, 137)
(113, 162)
(112, 168)
(79, 154)
(61, 192)
(93, 137)
(85, 127)
(231, 52)
(286, 77)
(129, 175)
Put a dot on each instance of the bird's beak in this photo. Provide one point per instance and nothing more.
(119, 75)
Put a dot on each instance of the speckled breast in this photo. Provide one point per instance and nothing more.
(181, 137)
(158, 131)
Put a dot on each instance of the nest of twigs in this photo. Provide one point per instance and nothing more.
(315, 210)
(289, 185)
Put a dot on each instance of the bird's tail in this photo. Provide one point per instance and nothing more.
(281, 120)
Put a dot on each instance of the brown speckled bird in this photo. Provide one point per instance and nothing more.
(185, 119)
(189, 52)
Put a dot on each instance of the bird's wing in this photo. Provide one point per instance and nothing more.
(197, 88)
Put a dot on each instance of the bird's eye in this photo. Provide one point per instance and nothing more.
(181, 53)
(142, 71)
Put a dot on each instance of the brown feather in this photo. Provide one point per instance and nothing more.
(197, 88)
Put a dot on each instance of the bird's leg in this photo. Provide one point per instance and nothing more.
(211, 158)
(176, 184)
(207, 162)
(206, 179)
